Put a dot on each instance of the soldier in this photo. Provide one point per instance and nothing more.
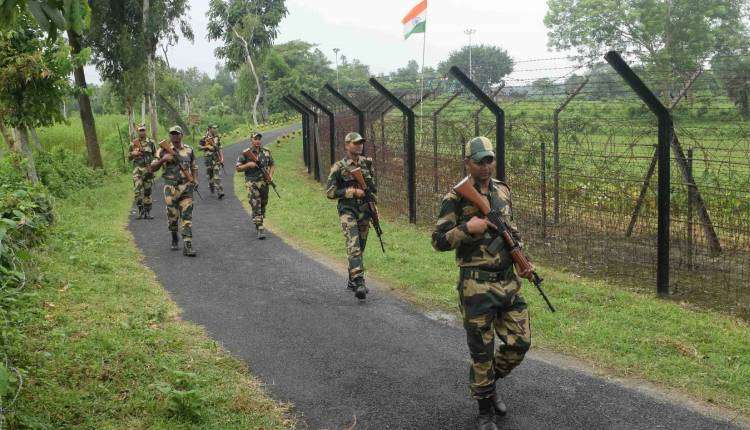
(353, 214)
(180, 180)
(142, 152)
(488, 287)
(214, 159)
(255, 181)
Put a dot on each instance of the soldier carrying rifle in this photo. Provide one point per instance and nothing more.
(356, 205)
(476, 221)
(210, 144)
(180, 180)
(258, 165)
(141, 153)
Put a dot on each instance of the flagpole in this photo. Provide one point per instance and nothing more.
(421, 90)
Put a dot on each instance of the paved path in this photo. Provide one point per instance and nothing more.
(382, 361)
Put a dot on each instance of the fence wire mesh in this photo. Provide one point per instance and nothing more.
(580, 160)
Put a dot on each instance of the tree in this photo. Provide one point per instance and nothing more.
(73, 17)
(161, 19)
(489, 64)
(247, 28)
(33, 82)
(672, 38)
(291, 67)
(734, 73)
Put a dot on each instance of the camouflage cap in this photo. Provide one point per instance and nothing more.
(256, 135)
(141, 127)
(354, 137)
(175, 129)
(479, 148)
(213, 126)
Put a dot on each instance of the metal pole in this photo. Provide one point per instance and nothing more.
(331, 124)
(313, 135)
(665, 137)
(410, 147)
(350, 104)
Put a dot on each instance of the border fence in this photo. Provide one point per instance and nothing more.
(579, 146)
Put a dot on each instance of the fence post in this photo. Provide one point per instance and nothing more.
(331, 124)
(499, 118)
(301, 111)
(411, 150)
(312, 135)
(350, 104)
(665, 137)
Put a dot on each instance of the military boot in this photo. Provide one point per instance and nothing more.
(147, 212)
(221, 194)
(140, 212)
(211, 187)
(499, 405)
(175, 241)
(187, 248)
(261, 232)
(485, 419)
(350, 285)
(360, 291)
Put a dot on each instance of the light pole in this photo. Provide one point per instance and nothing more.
(469, 32)
(336, 51)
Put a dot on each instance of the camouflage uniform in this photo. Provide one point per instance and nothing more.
(255, 182)
(213, 162)
(143, 180)
(353, 213)
(178, 192)
(488, 289)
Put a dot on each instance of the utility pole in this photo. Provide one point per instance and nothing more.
(336, 51)
(469, 32)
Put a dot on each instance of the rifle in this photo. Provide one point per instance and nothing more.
(254, 158)
(210, 141)
(466, 189)
(374, 216)
(167, 147)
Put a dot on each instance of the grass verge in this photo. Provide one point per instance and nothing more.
(703, 354)
(104, 345)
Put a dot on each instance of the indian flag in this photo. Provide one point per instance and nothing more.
(415, 21)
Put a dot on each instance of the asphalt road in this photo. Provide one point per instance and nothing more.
(381, 362)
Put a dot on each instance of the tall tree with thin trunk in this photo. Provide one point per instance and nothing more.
(33, 83)
(247, 28)
(93, 153)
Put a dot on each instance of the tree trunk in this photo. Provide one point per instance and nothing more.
(94, 155)
(152, 98)
(65, 110)
(35, 138)
(8, 137)
(23, 146)
(131, 117)
(255, 75)
(143, 108)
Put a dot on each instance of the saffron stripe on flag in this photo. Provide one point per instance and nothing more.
(416, 10)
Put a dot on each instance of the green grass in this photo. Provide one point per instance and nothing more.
(700, 353)
(105, 346)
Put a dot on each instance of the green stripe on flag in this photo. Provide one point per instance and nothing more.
(419, 28)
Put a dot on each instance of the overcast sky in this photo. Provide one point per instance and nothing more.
(372, 31)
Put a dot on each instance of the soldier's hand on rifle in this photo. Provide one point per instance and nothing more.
(478, 225)
(135, 153)
(358, 193)
(252, 164)
(528, 274)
